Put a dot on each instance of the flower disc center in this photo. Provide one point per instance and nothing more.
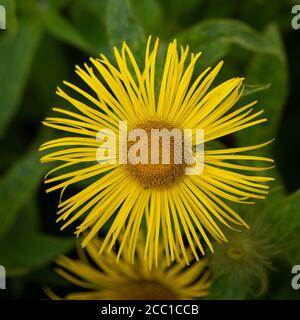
(146, 290)
(160, 174)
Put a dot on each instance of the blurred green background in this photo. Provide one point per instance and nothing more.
(43, 42)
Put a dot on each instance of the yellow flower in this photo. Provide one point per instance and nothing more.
(105, 279)
(174, 206)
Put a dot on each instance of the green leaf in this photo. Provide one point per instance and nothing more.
(275, 197)
(97, 6)
(290, 252)
(23, 252)
(87, 17)
(212, 51)
(149, 13)
(267, 68)
(11, 18)
(60, 4)
(28, 216)
(262, 209)
(17, 186)
(24, 248)
(224, 289)
(229, 30)
(63, 30)
(121, 26)
(52, 73)
(285, 217)
(214, 38)
(16, 55)
(27, 8)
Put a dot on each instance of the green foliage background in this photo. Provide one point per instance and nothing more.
(43, 42)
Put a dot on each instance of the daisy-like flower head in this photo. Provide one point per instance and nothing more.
(100, 277)
(175, 207)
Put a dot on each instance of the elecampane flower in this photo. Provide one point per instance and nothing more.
(175, 207)
(100, 277)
